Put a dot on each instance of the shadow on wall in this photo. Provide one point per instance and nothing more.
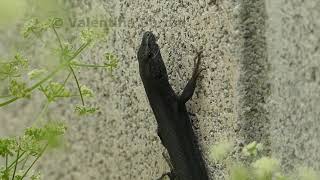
(252, 85)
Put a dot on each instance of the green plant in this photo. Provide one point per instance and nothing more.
(20, 81)
(21, 153)
(256, 166)
(13, 70)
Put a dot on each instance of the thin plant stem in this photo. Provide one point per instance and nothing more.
(78, 85)
(64, 82)
(43, 90)
(25, 173)
(16, 164)
(46, 78)
(9, 101)
(35, 85)
(6, 161)
(58, 37)
(13, 163)
(82, 47)
(25, 161)
(46, 105)
(43, 110)
(20, 161)
(5, 96)
(74, 95)
(87, 65)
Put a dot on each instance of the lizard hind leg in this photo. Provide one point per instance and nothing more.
(167, 158)
(171, 174)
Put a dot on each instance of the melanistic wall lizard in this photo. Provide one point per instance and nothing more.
(174, 125)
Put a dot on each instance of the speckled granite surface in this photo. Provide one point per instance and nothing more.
(243, 95)
(293, 41)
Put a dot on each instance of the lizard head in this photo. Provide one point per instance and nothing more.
(148, 48)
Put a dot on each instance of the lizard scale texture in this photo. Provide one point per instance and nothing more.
(174, 125)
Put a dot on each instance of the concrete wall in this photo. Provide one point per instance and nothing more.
(293, 40)
(261, 83)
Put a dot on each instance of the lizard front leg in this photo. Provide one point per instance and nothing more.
(191, 85)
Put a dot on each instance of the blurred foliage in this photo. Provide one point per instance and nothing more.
(21, 80)
(252, 149)
(47, 8)
(221, 150)
(15, 70)
(24, 151)
(255, 166)
(13, 11)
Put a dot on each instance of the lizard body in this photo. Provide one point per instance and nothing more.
(174, 125)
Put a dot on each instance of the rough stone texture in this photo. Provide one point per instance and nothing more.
(252, 85)
(261, 83)
(293, 40)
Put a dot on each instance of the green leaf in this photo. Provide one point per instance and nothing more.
(279, 176)
(55, 90)
(4, 174)
(54, 129)
(221, 150)
(86, 92)
(36, 73)
(19, 175)
(66, 53)
(87, 36)
(252, 149)
(36, 176)
(306, 173)
(18, 89)
(6, 147)
(265, 167)
(35, 133)
(31, 145)
(239, 172)
(111, 61)
(20, 61)
(50, 134)
(13, 68)
(34, 26)
(8, 70)
(30, 27)
(55, 22)
(84, 110)
(54, 132)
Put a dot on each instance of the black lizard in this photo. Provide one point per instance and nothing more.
(174, 126)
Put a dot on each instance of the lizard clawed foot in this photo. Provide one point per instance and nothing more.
(197, 62)
(169, 174)
(167, 158)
